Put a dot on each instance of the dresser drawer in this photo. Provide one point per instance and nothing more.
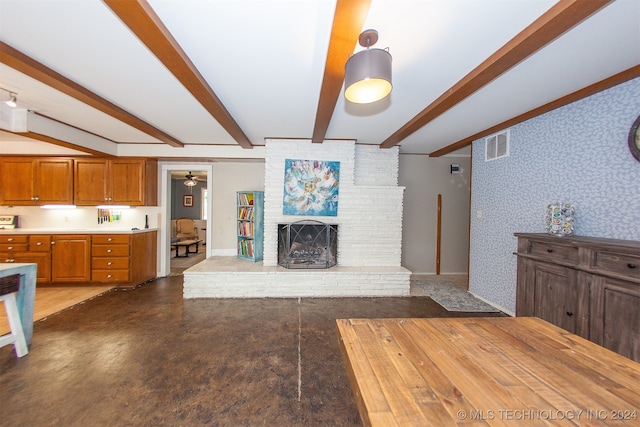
(14, 247)
(110, 239)
(109, 250)
(110, 276)
(40, 243)
(12, 239)
(109, 263)
(554, 251)
(612, 262)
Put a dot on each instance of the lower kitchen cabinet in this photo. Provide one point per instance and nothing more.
(110, 258)
(70, 258)
(586, 285)
(124, 259)
(121, 259)
(43, 260)
(34, 249)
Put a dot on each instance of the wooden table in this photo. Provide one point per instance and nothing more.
(25, 299)
(485, 371)
(185, 244)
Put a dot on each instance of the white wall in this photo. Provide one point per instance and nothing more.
(228, 178)
(370, 202)
(424, 178)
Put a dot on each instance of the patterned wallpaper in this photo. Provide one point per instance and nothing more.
(576, 154)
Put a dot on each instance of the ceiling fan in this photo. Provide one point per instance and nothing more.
(191, 180)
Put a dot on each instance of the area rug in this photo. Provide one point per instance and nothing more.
(453, 298)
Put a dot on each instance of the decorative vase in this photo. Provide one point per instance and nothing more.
(560, 219)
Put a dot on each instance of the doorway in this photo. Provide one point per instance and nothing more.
(174, 203)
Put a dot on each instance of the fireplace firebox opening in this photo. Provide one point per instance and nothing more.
(307, 244)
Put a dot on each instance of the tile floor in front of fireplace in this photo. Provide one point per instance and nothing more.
(148, 357)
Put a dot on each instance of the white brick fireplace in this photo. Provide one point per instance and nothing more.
(369, 231)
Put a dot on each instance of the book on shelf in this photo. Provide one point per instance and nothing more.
(245, 199)
(245, 213)
(245, 229)
(245, 248)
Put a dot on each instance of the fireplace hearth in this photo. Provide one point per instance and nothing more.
(307, 244)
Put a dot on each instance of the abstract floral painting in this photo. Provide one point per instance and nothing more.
(311, 187)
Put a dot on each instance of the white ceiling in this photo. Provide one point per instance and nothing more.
(265, 60)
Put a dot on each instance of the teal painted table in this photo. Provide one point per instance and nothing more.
(26, 294)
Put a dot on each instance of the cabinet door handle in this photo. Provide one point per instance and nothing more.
(631, 265)
(109, 239)
(10, 239)
(53, 243)
(108, 250)
(569, 313)
(108, 276)
(39, 243)
(109, 263)
(549, 250)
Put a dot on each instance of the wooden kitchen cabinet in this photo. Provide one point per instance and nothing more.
(586, 285)
(70, 258)
(116, 181)
(110, 258)
(124, 259)
(28, 181)
(121, 259)
(28, 249)
(144, 258)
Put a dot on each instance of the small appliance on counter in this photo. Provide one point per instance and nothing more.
(8, 222)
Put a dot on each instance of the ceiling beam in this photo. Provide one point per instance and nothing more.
(560, 18)
(32, 68)
(607, 83)
(347, 24)
(147, 26)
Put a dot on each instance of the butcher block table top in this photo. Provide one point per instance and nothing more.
(485, 371)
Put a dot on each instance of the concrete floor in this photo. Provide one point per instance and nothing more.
(147, 357)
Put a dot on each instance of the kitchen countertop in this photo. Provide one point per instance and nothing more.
(73, 231)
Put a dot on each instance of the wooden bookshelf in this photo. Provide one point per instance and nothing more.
(250, 225)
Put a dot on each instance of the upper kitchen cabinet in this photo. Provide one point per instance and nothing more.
(28, 181)
(116, 182)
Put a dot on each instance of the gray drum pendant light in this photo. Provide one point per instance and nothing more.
(368, 72)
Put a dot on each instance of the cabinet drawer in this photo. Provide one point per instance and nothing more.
(14, 247)
(110, 239)
(110, 250)
(12, 239)
(7, 257)
(110, 276)
(40, 243)
(108, 263)
(555, 252)
(627, 265)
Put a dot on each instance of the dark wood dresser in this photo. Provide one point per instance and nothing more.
(586, 285)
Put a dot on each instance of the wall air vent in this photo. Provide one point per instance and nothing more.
(496, 146)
